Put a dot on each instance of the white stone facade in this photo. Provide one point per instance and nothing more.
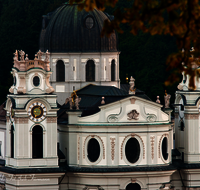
(75, 71)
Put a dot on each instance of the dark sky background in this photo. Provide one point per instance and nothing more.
(142, 56)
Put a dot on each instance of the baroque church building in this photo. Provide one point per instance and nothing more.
(67, 124)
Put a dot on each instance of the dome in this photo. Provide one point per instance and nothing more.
(69, 30)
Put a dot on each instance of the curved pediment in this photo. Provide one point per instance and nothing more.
(129, 110)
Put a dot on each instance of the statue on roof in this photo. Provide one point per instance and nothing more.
(167, 99)
(39, 54)
(132, 86)
(47, 55)
(22, 53)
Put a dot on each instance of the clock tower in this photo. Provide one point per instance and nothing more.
(31, 114)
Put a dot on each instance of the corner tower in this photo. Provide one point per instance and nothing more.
(79, 55)
(31, 115)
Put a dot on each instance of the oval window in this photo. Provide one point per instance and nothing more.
(89, 22)
(164, 148)
(133, 186)
(36, 81)
(93, 150)
(132, 150)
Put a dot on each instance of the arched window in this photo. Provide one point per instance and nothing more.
(133, 186)
(113, 70)
(90, 70)
(60, 71)
(37, 142)
(12, 142)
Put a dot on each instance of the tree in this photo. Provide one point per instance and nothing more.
(178, 18)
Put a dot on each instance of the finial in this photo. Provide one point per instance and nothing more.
(35, 57)
(26, 57)
(132, 86)
(158, 100)
(15, 58)
(103, 100)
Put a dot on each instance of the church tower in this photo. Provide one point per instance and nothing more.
(31, 114)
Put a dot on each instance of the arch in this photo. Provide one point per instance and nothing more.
(43, 128)
(132, 136)
(113, 70)
(179, 97)
(60, 71)
(90, 71)
(37, 142)
(159, 144)
(97, 138)
(133, 186)
(12, 142)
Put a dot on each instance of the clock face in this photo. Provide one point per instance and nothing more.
(37, 111)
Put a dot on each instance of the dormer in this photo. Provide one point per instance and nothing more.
(31, 76)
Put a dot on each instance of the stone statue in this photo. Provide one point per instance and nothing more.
(47, 56)
(132, 86)
(22, 53)
(158, 100)
(77, 100)
(167, 99)
(39, 54)
(70, 102)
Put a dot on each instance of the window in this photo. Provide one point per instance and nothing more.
(93, 150)
(164, 148)
(132, 150)
(14, 81)
(73, 88)
(133, 186)
(113, 70)
(60, 71)
(36, 81)
(90, 71)
(0, 148)
(89, 22)
(12, 142)
(37, 142)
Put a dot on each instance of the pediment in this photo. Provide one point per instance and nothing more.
(129, 110)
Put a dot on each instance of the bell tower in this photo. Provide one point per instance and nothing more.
(31, 114)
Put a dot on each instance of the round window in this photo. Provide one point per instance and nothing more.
(132, 150)
(93, 150)
(89, 22)
(133, 186)
(36, 81)
(164, 148)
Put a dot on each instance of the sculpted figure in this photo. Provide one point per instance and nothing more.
(70, 102)
(133, 115)
(22, 53)
(167, 100)
(47, 56)
(77, 100)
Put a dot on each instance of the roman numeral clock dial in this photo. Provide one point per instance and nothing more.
(37, 112)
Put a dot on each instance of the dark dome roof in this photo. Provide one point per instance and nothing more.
(69, 30)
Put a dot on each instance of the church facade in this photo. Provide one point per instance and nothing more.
(69, 126)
